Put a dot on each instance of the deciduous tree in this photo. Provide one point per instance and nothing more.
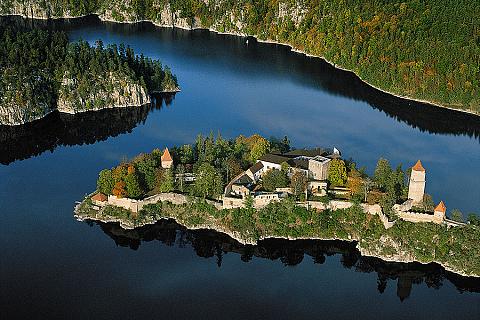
(273, 179)
(337, 173)
(208, 181)
(298, 183)
(105, 182)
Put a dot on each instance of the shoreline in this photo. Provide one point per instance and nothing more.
(233, 235)
(267, 41)
(90, 110)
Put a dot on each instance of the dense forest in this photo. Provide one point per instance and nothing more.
(41, 71)
(426, 50)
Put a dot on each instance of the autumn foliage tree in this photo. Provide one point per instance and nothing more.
(337, 173)
(273, 179)
(119, 190)
(105, 182)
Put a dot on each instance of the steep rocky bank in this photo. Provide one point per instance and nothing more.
(122, 93)
(384, 248)
(121, 96)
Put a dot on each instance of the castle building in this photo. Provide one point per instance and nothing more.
(166, 159)
(416, 186)
(440, 211)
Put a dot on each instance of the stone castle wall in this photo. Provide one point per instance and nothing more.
(137, 205)
(231, 203)
(420, 217)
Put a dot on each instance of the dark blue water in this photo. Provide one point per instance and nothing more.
(52, 266)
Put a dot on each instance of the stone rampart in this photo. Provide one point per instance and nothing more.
(232, 203)
(373, 209)
(420, 217)
(137, 205)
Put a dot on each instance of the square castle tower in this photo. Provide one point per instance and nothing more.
(416, 186)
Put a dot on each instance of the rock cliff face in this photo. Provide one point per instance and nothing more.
(12, 114)
(115, 92)
(26, 103)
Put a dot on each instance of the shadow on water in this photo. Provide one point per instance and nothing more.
(61, 129)
(211, 244)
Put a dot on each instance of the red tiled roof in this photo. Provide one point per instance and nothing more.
(99, 197)
(441, 207)
(166, 155)
(418, 166)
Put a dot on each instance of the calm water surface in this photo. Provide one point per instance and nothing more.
(52, 266)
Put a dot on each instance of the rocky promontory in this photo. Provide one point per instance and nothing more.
(42, 72)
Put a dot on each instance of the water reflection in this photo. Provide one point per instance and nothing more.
(213, 245)
(61, 129)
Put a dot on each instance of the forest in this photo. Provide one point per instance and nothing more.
(426, 50)
(38, 66)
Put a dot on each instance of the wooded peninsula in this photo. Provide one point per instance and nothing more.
(423, 50)
(253, 188)
(41, 71)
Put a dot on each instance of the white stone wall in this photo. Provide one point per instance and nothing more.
(126, 203)
(137, 205)
(231, 203)
(262, 200)
(420, 217)
(167, 164)
(317, 187)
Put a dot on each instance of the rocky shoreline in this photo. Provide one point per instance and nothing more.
(130, 225)
(184, 26)
(30, 120)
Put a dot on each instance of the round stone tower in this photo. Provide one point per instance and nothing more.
(416, 187)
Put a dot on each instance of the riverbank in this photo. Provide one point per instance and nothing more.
(405, 242)
(104, 18)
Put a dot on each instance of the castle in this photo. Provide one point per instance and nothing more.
(166, 159)
(416, 186)
(416, 192)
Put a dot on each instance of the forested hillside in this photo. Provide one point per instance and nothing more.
(41, 71)
(423, 49)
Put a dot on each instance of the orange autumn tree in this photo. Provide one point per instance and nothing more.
(119, 190)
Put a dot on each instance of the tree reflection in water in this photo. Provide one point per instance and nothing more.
(211, 244)
(61, 129)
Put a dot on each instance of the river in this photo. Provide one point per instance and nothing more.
(52, 266)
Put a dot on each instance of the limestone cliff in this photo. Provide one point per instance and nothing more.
(13, 114)
(29, 101)
(33, 103)
(114, 91)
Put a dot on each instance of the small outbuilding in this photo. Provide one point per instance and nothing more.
(99, 199)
